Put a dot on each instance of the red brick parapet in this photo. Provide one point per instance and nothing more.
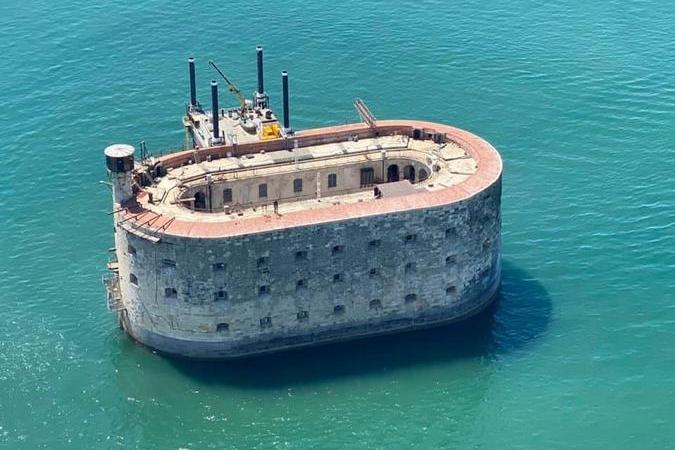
(489, 170)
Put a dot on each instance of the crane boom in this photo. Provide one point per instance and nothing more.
(231, 87)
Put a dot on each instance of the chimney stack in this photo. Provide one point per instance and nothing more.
(261, 84)
(214, 112)
(193, 83)
(261, 99)
(287, 119)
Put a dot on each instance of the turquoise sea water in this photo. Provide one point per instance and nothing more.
(579, 97)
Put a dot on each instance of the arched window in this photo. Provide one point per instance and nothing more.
(223, 327)
(339, 309)
(375, 304)
(392, 173)
(409, 173)
(200, 200)
(423, 175)
(410, 298)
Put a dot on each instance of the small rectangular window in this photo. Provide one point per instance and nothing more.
(264, 290)
(297, 185)
(367, 176)
(450, 260)
(300, 255)
(219, 266)
(332, 180)
(223, 327)
(450, 233)
(375, 304)
(410, 238)
(339, 309)
(131, 249)
(266, 322)
(227, 195)
(410, 267)
(303, 315)
(220, 295)
(168, 263)
(451, 290)
(262, 190)
(374, 243)
(338, 278)
(133, 279)
(337, 249)
(263, 261)
(170, 292)
(301, 284)
(373, 272)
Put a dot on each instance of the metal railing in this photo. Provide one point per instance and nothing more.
(114, 301)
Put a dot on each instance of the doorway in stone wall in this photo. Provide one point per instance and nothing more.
(409, 173)
(200, 200)
(392, 173)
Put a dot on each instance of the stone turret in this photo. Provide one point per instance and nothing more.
(120, 163)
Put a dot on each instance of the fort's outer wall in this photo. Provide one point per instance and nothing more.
(454, 250)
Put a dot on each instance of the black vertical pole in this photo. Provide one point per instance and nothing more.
(214, 109)
(261, 83)
(193, 82)
(284, 84)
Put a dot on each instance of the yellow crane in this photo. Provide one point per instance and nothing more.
(232, 88)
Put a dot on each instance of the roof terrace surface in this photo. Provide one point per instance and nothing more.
(466, 165)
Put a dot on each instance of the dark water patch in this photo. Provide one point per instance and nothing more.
(514, 321)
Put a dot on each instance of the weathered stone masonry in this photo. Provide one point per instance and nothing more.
(314, 280)
(249, 292)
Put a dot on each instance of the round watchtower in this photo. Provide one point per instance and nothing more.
(119, 160)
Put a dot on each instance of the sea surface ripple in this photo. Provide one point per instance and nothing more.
(579, 98)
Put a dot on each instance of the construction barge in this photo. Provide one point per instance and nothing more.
(260, 238)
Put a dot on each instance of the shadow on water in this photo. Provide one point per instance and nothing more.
(519, 316)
